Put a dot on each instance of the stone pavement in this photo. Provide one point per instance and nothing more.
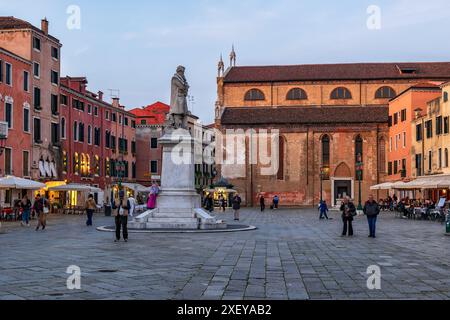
(292, 255)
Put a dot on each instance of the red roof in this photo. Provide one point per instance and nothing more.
(345, 71)
(153, 114)
(12, 23)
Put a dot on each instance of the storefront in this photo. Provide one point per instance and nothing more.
(221, 189)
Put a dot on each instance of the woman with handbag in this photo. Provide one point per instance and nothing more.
(41, 208)
(121, 205)
(348, 212)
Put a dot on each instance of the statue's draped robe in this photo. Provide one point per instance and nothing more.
(178, 101)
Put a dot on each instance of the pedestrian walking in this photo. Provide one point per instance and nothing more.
(262, 203)
(237, 206)
(372, 210)
(276, 202)
(209, 203)
(25, 206)
(223, 203)
(323, 208)
(122, 207)
(348, 212)
(41, 207)
(90, 206)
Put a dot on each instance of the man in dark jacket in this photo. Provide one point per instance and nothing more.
(348, 212)
(372, 210)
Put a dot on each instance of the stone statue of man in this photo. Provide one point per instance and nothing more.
(178, 101)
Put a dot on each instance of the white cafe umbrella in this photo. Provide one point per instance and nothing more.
(75, 187)
(11, 182)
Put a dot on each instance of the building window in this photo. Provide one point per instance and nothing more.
(404, 140)
(445, 96)
(154, 143)
(107, 115)
(429, 129)
(281, 150)
(37, 43)
(37, 130)
(133, 170)
(359, 155)
(97, 165)
(65, 162)
(254, 95)
(395, 167)
(37, 98)
(89, 109)
(8, 79)
(419, 136)
(382, 155)
(297, 94)
(26, 120)
(446, 125)
(55, 77)
(55, 53)
(390, 168)
(419, 164)
(438, 125)
(36, 70)
(446, 158)
(390, 121)
(26, 81)
(76, 163)
(107, 167)
(89, 135)
(154, 167)
(54, 104)
(133, 147)
(440, 158)
(55, 133)
(8, 161)
(8, 114)
(96, 111)
(26, 163)
(143, 122)
(114, 117)
(385, 93)
(341, 93)
(395, 118)
(63, 128)
(63, 100)
(133, 124)
(97, 136)
(326, 157)
(81, 132)
(107, 139)
(430, 160)
(75, 131)
(126, 121)
(403, 115)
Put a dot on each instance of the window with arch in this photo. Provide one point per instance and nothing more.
(76, 163)
(97, 165)
(63, 128)
(65, 162)
(325, 157)
(385, 93)
(281, 148)
(446, 158)
(75, 131)
(107, 167)
(359, 156)
(341, 93)
(83, 165)
(297, 94)
(254, 95)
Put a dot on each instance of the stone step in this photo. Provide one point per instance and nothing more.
(174, 215)
(168, 225)
(172, 220)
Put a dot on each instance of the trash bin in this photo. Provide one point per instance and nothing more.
(108, 211)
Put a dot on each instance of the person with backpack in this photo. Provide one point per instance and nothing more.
(372, 210)
(122, 207)
(25, 206)
(348, 212)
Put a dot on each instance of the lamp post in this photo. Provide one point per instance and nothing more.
(359, 171)
(322, 173)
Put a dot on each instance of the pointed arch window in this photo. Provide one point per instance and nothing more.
(254, 95)
(359, 156)
(325, 157)
(281, 148)
(297, 94)
(382, 155)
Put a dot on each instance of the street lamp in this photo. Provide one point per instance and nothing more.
(322, 173)
(359, 171)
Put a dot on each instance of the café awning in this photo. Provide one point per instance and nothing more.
(75, 187)
(388, 185)
(11, 182)
(136, 187)
(428, 182)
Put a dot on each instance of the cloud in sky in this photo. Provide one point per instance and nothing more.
(135, 45)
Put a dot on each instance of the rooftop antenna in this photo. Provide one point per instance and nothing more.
(114, 93)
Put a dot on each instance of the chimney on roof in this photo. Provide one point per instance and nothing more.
(116, 102)
(44, 26)
(100, 95)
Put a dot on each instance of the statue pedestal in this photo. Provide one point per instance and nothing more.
(178, 204)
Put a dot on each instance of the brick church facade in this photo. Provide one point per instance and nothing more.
(329, 117)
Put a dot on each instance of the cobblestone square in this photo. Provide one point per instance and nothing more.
(292, 255)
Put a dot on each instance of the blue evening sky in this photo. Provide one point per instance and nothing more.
(136, 45)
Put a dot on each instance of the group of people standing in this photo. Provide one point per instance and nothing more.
(40, 209)
(371, 210)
